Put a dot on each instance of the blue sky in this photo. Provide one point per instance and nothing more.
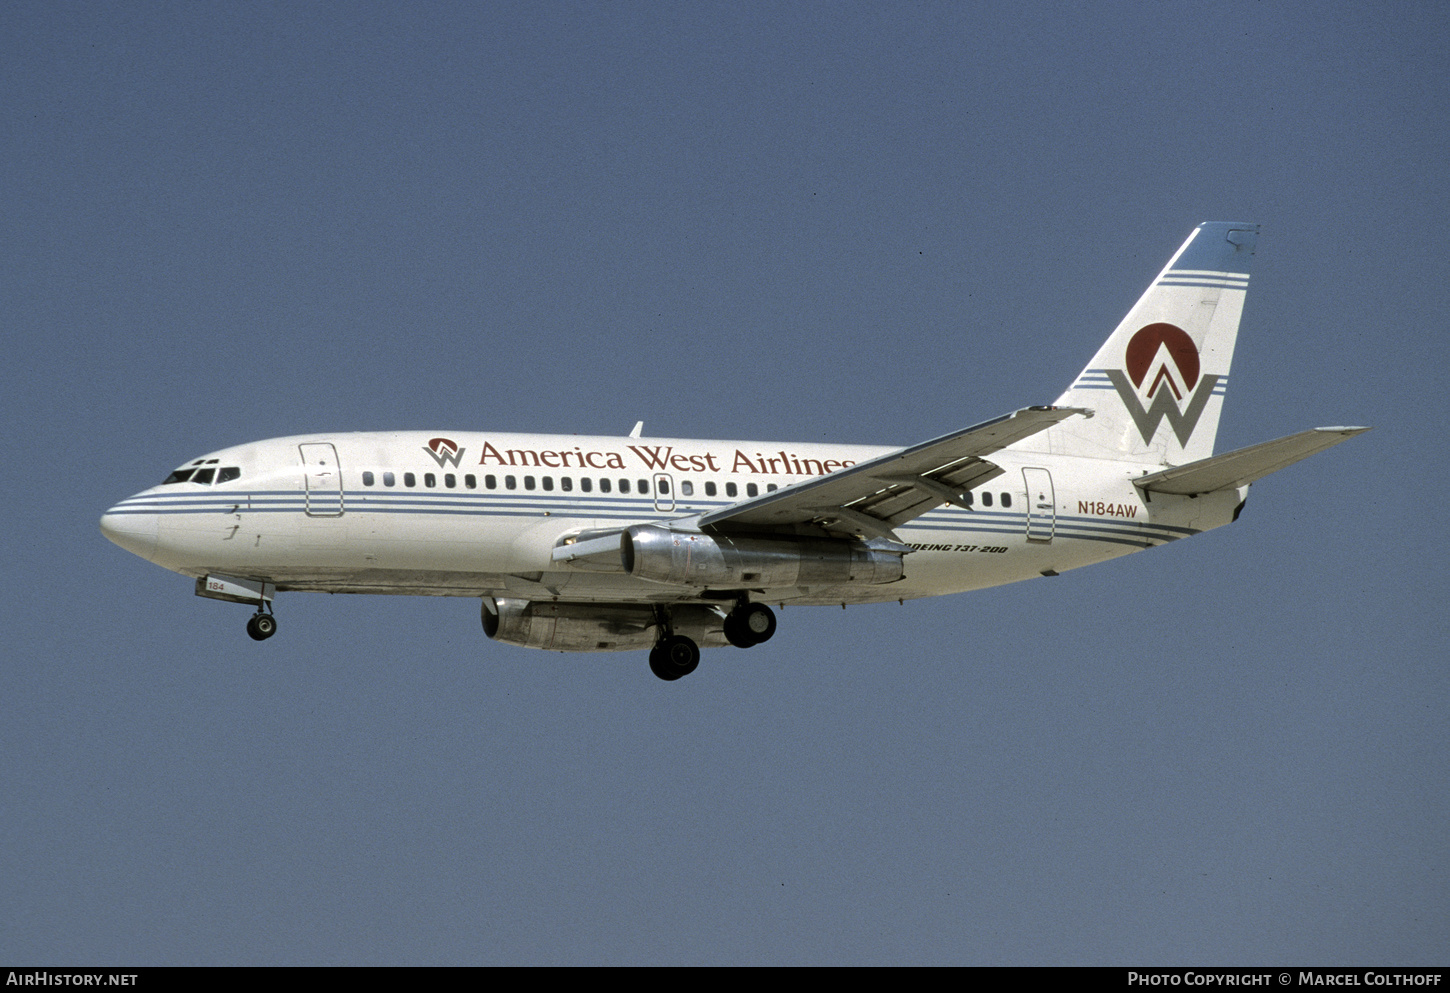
(845, 222)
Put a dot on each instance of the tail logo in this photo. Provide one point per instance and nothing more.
(445, 452)
(1160, 379)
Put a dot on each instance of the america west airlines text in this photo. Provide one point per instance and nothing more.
(662, 458)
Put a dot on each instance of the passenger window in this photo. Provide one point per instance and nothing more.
(644, 486)
(968, 497)
(730, 489)
(450, 480)
(752, 490)
(367, 478)
(491, 482)
(1006, 499)
(203, 476)
(528, 482)
(585, 484)
(548, 482)
(566, 483)
(709, 489)
(624, 486)
(604, 486)
(430, 480)
(389, 479)
(470, 481)
(687, 488)
(409, 479)
(986, 499)
(771, 488)
(510, 483)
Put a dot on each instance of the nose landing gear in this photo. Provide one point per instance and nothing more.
(255, 592)
(261, 626)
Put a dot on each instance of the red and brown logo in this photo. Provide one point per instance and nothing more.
(445, 452)
(1160, 379)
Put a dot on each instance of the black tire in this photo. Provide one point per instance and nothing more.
(736, 633)
(660, 666)
(758, 622)
(262, 626)
(674, 657)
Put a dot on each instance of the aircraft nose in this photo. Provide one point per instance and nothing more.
(135, 532)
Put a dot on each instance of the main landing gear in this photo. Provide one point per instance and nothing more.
(749, 624)
(676, 655)
(261, 626)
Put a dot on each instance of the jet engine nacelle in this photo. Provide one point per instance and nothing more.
(595, 627)
(690, 558)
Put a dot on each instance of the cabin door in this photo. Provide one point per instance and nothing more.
(1041, 505)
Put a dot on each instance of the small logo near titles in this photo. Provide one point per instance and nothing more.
(444, 451)
(1160, 379)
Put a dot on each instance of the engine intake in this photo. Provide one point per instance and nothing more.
(691, 558)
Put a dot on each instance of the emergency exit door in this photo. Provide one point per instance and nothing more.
(324, 480)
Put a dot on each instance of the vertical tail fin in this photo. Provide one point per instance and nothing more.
(1157, 385)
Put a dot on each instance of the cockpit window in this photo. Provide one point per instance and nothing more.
(190, 473)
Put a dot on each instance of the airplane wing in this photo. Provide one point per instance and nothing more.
(872, 497)
(1234, 469)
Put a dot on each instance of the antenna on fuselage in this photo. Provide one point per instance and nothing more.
(638, 427)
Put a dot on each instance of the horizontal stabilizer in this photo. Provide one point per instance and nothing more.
(1233, 469)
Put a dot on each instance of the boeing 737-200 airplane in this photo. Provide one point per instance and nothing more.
(588, 544)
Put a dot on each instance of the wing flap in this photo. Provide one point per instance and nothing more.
(872, 497)
(1237, 468)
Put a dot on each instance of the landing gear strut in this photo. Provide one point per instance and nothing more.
(749, 624)
(261, 626)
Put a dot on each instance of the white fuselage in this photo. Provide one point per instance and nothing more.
(475, 514)
(584, 543)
